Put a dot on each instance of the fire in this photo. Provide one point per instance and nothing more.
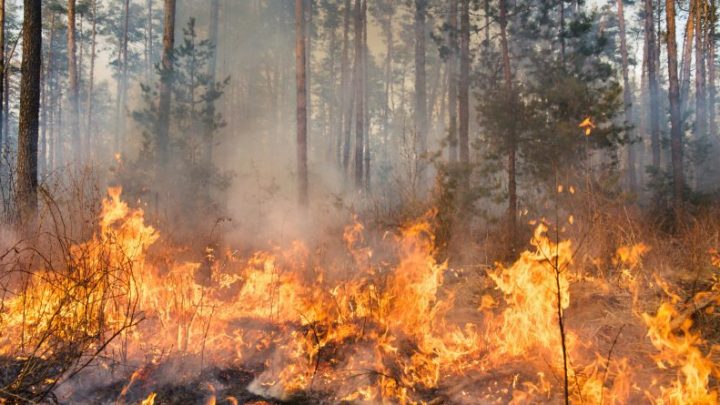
(529, 288)
(682, 350)
(587, 125)
(384, 331)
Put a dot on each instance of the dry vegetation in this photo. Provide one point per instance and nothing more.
(114, 312)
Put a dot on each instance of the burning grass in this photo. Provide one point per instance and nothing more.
(126, 319)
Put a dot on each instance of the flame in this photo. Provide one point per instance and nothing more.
(529, 288)
(681, 351)
(150, 400)
(587, 125)
(362, 326)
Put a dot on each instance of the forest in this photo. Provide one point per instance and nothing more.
(359, 202)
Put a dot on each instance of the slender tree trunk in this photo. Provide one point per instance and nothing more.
(124, 80)
(91, 83)
(420, 82)
(452, 97)
(365, 92)
(674, 98)
(308, 64)
(73, 93)
(388, 84)
(627, 99)
(511, 141)
(27, 180)
(163, 136)
(347, 91)
(561, 30)
(212, 73)
(359, 97)
(51, 136)
(700, 99)
(464, 108)
(687, 57)
(710, 38)
(334, 98)
(6, 94)
(654, 102)
(300, 65)
(2, 69)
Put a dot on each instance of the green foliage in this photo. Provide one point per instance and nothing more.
(194, 122)
(553, 91)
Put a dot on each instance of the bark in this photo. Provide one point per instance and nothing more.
(674, 99)
(365, 92)
(686, 58)
(700, 99)
(331, 110)
(308, 63)
(653, 84)
(73, 93)
(420, 79)
(27, 181)
(561, 30)
(6, 95)
(122, 85)
(511, 141)
(300, 66)
(452, 99)
(2, 67)
(91, 81)
(388, 83)
(359, 97)
(347, 91)
(464, 96)
(627, 99)
(212, 73)
(163, 137)
(712, 129)
(50, 136)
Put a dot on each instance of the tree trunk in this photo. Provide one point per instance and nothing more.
(27, 181)
(49, 79)
(452, 78)
(301, 102)
(347, 91)
(334, 98)
(700, 99)
(365, 92)
(73, 93)
(212, 73)
(2, 68)
(91, 82)
(308, 65)
(712, 129)
(359, 97)
(163, 136)
(420, 82)
(464, 108)
(123, 82)
(511, 141)
(687, 58)
(627, 99)
(388, 85)
(674, 98)
(561, 30)
(653, 84)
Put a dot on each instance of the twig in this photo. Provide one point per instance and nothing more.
(607, 364)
